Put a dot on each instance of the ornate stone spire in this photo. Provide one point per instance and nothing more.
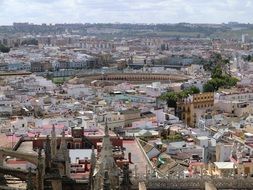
(63, 154)
(92, 168)
(106, 185)
(93, 157)
(106, 162)
(106, 128)
(126, 183)
(53, 142)
(40, 171)
(106, 152)
(48, 157)
(63, 145)
(29, 180)
(106, 173)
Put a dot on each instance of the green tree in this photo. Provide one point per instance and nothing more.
(192, 90)
(220, 75)
(4, 49)
(172, 97)
(209, 87)
(219, 80)
(215, 59)
(248, 58)
(31, 41)
(217, 72)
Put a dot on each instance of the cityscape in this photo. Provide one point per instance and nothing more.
(98, 96)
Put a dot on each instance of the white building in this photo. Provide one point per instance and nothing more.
(223, 152)
(78, 90)
(5, 106)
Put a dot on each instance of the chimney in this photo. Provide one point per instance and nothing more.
(86, 165)
(130, 158)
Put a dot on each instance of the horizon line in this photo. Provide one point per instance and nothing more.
(133, 23)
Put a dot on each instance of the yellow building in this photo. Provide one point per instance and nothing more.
(224, 169)
(245, 168)
(191, 108)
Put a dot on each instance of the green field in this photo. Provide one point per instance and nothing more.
(60, 80)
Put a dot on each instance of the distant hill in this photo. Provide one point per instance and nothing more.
(231, 30)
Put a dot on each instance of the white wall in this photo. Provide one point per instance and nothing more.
(160, 115)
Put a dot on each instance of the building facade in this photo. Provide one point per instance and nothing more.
(190, 109)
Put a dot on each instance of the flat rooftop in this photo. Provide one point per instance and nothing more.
(224, 165)
(26, 147)
(82, 154)
(138, 157)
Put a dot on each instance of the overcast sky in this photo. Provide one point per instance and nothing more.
(125, 11)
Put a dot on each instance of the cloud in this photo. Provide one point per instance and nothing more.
(133, 11)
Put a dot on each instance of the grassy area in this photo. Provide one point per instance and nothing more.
(60, 80)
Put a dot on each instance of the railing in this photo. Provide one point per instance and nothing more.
(16, 146)
(19, 173)
(33, 158)
(175, 183)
